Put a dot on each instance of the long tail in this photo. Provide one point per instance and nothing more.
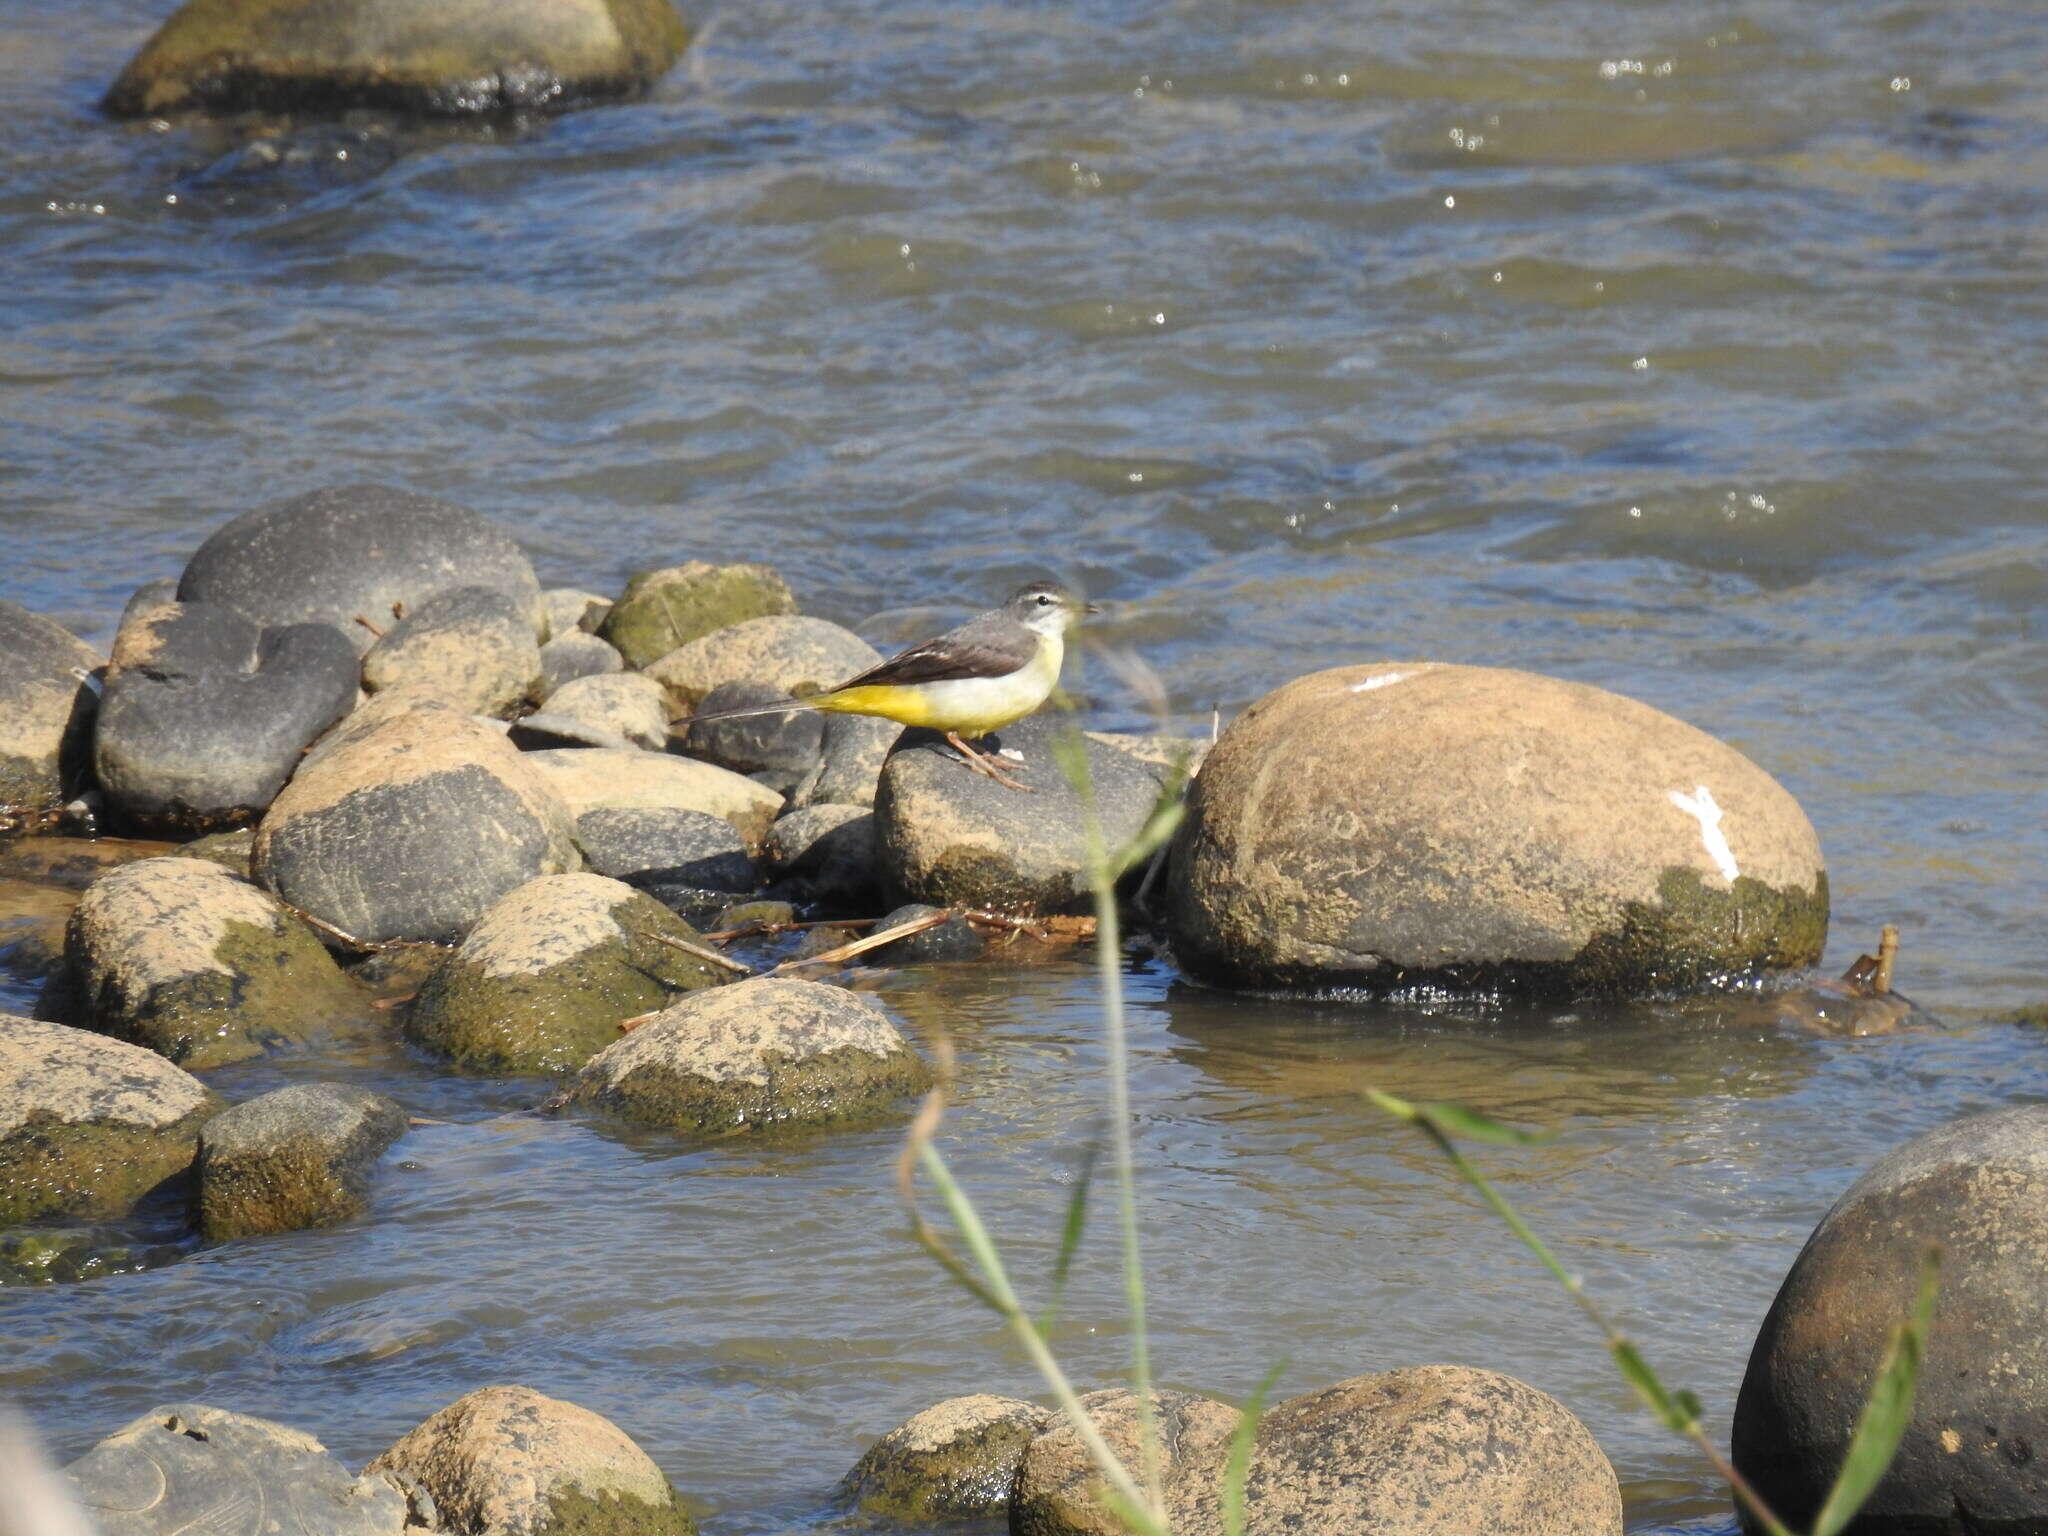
(790, 706)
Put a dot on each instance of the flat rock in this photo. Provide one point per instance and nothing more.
(46, 715)
(762, 1052)
(88, 1125)
(851, 755)
(597, 779)
(569, 610)
(471, 646)
(828, 851)
(568, 657)
(778, 750)
(628, 704)
(663, 609)
(298, 1156)
(657, 850)
(954, 1461)
(794, 654)
(1413, 825)
(508, 1461)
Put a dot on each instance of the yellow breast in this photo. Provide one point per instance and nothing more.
(972, 706)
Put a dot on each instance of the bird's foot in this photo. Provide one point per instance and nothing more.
(983, 764)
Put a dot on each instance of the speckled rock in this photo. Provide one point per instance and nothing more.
(849, 770)
(954, 1461)
(354, 551)
(628, 703)
(568, 657)
(828, 853)
(594, 779)
(758, 1053)
(569, 611)
(472, 646)
(1414, 825)
(298, 1156)
(190, 1470)
(1972, 1458)
(796, 655)
(183, 957)
(951, 837)
(88, 1125)
(544, 979)
(46, 715)
(507, 1461)
(1058, 1492)
(954, 939)
(412, 829)
(663, 609)
(663, 850)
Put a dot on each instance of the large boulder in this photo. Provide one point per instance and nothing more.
(451, 58)
(46, 712)
(1972, 1457)
(758, 1053)
(298, 1156)
(667, 853)
(545, 978)
(88, 1125)
(795, 654)
(188, 1469)
(355, 556)
(1412, 825)
(507, 1461)
(206, 715)
(951, 837)
(663, 609)
(412, 829)
(955, 1460)
(624, 779)
(183, 957)
(472, 646)
(1059, 1492)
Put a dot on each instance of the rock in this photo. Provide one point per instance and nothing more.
(544, 732)
(954, 939)
(661, 849)
(663, 609)
(954, 1461)
(182, 957)
(823, 940)
(757, 1053)
(354, 551)
(829, 850)
(230, 850)
(46, 714)
(1971, 1459)
(747, 914)
(849, 772)
(472, 646)
(1417, 825)
(88, 1125)
(596, 779)
(952, 838)
(628, 704)
(412, 829)
(73, 862)
(298, 1156)
(777, 750)
(42, 1255)
(1177, 754)
(544, 979)
(372, 711)
(33, 917)
(439, 58)
(1059, 1493)
(206, 715)
(506, 1461)
(188, 1468)
(568, 657)
(569, 611)
(796, 655)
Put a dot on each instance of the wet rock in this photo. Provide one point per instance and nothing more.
(627, 704)
(795, 655)
(509, 1462)
(472, 646)
(746, 914)
(597, 779)
(1971, 1459)
(1415, 825)
(88, 1125)
(355, 551)
(205, 714)
(953, 838)
(544, 979)
(412, 829)
(663, 609)
(954, 1461)
(777, 750)
(182, 957)
(42, 1255)
(954, 939)
(657, 850)
(852, 753)
(829, 852)
(73, 862)
(46, 715)
(188, 1468)
(298, 1156)
(32, 922)
(230, 850)
(758, 1053)
(569, 611)
(823, 940)
(568, 657)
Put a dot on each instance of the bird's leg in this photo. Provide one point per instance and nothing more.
(981, 763)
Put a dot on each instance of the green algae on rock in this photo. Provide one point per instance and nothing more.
(298, 1156)
(663, 609)
(954, 1461)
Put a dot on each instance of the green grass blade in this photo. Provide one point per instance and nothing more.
(1886, 1412)
(1230, 1495)
(1676, 1411)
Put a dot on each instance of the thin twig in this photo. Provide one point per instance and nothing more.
(366, 946)
(872, 941)
(373, 629)
(702, 952)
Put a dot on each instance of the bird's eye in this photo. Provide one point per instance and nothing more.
(1044, 601)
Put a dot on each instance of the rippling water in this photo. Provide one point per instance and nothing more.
(1692, 351)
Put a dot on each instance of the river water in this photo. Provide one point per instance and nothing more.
(1696, 351)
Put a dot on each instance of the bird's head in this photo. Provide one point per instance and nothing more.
(1047, 607)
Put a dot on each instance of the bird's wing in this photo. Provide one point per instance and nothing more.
(990, 646)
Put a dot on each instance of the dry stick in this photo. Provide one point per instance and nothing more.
(872, 941)
(373, 629)
(748, 930)
(704, 953)
(367, 946)
(1887, 954)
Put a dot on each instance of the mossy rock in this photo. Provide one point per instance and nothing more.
(663, 609)
(954, 1461)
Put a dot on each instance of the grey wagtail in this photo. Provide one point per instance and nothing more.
(990, 672)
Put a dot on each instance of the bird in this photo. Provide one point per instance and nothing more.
(990, 672)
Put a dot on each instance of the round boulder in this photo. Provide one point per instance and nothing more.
(568, 657)
(602, 778)
(412, 829)
(46, 715)
(793, 654)
(88, 1125)
(777, 750)
(471, 646)
(511, 1462)
(665, 850)
(298, 1156)
(544, 979)
(853, 749)
(757, 1053)
(1412, 825)
(626, 704)
(1973, 1454)
(954, 1461)
(1059, 1492)
(189, 960)
(663, 609)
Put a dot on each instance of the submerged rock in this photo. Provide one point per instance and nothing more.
(662, 851)
(298, 1156)
(954, 1461)
(626, 704)
(471, 646)
(796, 655)
(663, 609)
(600, 779)
(46, 714)
(1976, 1188)
(545, 978)
(88, 1125)
(508, 1461)
(1423, 826)
(762, 1052)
